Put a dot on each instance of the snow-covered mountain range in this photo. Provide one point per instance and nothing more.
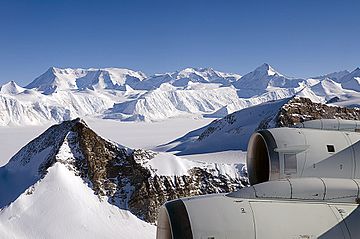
(123, 94)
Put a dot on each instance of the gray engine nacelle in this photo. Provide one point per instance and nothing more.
(313, 173)
(318, 148)
(289, 208)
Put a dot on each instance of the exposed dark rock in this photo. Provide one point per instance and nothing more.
(227, 120)
(333, 100)
(155, 191)
(302, 109)
(120, 176)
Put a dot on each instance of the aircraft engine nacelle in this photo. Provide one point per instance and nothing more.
(290, 208)
(318, 148)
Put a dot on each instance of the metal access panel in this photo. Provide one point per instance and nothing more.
(330, 154)
(290, 164)
(220, 217)
(295, 220)
(354, 139)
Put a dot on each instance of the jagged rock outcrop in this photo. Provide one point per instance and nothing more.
(152, 191)
(115, 173)
(302, 109)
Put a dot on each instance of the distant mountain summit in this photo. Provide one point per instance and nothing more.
(351, 81)
(185, 77)
(78, 79)
(263, 78)
(11, 88)
(267, 69)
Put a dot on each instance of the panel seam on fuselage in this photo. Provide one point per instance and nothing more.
(253, 218)
(291, 189)
(324, 188)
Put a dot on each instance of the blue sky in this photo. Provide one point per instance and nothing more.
(299, 38)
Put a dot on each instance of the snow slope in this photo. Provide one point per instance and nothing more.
(159, 104)
(170, 165)
(33, 108)
(62, 206)
(352, 80)
(332, 92)
(335, 76)
(11, 88)
(229, 133)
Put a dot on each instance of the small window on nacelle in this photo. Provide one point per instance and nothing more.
(290, 164)
(330, 148)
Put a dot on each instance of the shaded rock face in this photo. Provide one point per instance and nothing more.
(52, 138)
(302, 109)
(218, 125)
(118, 174)
(152, 192)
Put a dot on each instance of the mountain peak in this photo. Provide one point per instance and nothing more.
(265, 66)
(357, 70)
(195, 69)
(11, 88)
(267, 69)
(258, 81)
(54, 70)
(10, 83)
(351, 75)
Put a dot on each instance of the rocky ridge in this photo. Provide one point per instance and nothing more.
(115, 173)
(299, 109)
